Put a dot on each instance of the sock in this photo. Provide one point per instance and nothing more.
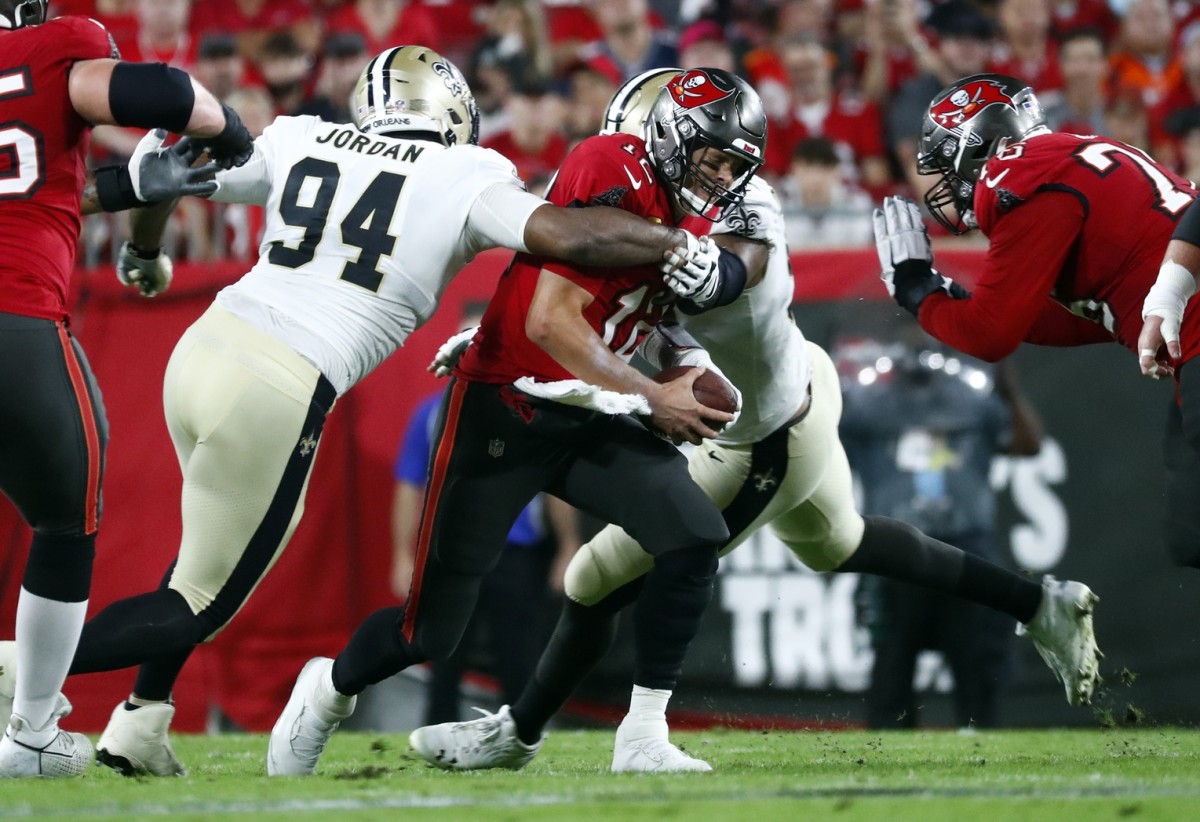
(134, 702)
(896, 550)
(376, 650)
(330, 705)
(137, 629)
(648, 706)
(47, 632)
(581, 638)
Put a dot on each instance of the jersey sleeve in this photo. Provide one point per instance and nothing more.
(80, 38)
(501, 209)
(250, 183)
(1028, 248)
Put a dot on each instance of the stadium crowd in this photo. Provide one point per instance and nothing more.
(845, 82)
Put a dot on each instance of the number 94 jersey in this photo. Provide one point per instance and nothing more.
(362, 235)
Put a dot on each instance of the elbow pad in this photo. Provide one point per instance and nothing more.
(151, 95)
(732, 282)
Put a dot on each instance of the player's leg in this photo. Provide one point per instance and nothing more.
(52, 439)
(890, 699)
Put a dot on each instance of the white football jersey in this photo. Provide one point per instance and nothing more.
(754, 339)
(362, 235)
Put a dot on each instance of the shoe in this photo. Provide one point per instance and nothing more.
(477, 744)
(1064, 636)
(67, 754)
(135, 743)
(644, 747)
(310, 717)
(8, 679)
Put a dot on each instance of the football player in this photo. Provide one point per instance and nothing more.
(1077, 228)
(58, 78)
(787, 431)
(541, 400)
(366, 225)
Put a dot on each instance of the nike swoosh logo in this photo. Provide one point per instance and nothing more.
(635, 183)
(992, 182)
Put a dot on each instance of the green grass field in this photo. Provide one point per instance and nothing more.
(760, 776)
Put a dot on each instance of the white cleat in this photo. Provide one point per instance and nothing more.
(1064, 636)
(643, 747)
(135, 743)
(310, 717)
(67, 754)
(477, 744)
(8, 679)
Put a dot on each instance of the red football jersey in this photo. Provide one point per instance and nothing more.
(43, 143)
(611, 170)
(1075, 222)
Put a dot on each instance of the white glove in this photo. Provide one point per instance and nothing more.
(700, 358)
(693, 271)
(451, 352)
(151, 275)
(900, 235)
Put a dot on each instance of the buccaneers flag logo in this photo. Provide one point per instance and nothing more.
(695, 88)
(968, 101)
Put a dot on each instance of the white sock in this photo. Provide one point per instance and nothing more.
(648, 705)
(334, 704)
(47, 634)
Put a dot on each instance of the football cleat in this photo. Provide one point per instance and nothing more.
(8, 678)
(1064, 636)
(66, 754)
(135, 743)
(490, 741)
(642, 747)
(310, 717)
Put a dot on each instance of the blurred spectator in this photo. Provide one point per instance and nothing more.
(284, 66)
(1144, 61)
(163, 35)
(703, 45)
(1184, 127)
(1083, 61)
(534, 141)
(219, 67)
(511, 609)
(1127, 119)
(460, 25)
(253, 21)
(765, 65)
(588, 94)
(630, 44)
(921, 426)
(514, 54)
(818, 109)
(345, 58)
(118, 16)
(387, 23)
(893, 49)
(964, 38)
(1068, 15)
(822, 210)
(1184, 94)
(1025, 50)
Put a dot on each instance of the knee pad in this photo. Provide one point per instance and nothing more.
(611, 560)
(1182, 537)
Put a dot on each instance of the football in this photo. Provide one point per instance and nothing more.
(709, 389)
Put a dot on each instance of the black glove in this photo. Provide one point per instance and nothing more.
(233, 146)
(154, 174)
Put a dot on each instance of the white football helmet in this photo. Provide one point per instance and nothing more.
(413, 89)
(630, 105)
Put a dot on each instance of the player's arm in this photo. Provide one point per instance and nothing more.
(1162, 310)
(669, 345)
(556, 324)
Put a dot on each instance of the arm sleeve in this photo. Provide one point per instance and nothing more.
(250, 183)
(1029, 246)
(499, 214)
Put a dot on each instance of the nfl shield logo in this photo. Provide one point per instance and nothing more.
(495, 448)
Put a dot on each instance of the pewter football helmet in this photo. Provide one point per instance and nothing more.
(414, 89)
(17, 14)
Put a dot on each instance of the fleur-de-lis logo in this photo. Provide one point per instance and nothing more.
(764, 481)
(308, 445)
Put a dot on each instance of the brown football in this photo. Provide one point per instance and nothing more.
(709, 389)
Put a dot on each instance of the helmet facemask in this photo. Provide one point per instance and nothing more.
(17, 14)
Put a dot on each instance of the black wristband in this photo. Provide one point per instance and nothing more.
(730, 285)
(234, 141)
(1188, 227)
(114, 189)
(914, 280)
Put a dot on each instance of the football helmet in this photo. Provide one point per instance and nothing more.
(706, 107)
(966, 124)
(628, 109)
(414, 89)
(17, 14)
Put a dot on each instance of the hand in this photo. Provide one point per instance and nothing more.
(233, 146)
(1158, 345)
(159, 173)
(675, 412)
(693, 271)
(900, 235)
(151, 274)
(451, 352)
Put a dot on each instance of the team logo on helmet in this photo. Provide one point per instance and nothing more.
(968, 101)
(451, 77)
(695, 88)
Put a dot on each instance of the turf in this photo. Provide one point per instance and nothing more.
(1149, 774)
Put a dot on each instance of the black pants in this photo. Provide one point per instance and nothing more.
(495, 450)
(1181, 458)
(908, 619)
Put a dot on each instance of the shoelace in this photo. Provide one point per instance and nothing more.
(315, 740)
(482, 730)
